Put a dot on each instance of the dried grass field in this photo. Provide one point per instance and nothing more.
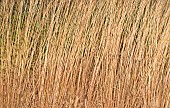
(84, 53)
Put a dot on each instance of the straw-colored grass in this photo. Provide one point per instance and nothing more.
(85, 54)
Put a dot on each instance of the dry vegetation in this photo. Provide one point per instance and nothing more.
(85, 53)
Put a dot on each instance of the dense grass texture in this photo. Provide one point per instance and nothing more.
(84, 53)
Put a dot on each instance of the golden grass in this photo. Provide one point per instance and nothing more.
(84, 53)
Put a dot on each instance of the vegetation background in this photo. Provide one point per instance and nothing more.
(84, 53)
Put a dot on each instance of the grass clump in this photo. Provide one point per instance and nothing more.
(85, 53)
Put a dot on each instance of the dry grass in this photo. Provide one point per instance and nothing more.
(85, 53)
